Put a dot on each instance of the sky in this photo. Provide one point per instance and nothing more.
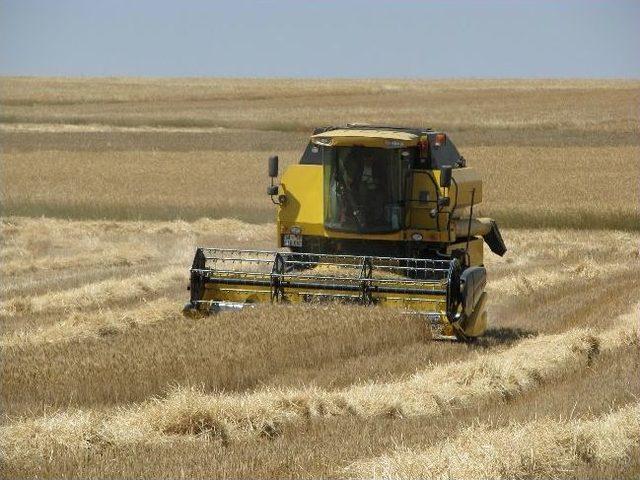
(296, 38)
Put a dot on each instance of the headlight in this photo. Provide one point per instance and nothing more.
(295, 230)
(417, 237)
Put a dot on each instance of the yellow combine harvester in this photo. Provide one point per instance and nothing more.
(376, 215)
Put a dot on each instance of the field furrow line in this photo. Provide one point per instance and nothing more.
(95, 294)
(532, 450)
(547, 309)
(227, 228)
(51, 280)
(80, 325)
(528, 280)
(110, 257)
(109, 363)
(189, 413)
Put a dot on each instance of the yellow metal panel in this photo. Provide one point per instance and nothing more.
(476, 250)
(476, 324)
(419, 219)
(239, 294)
(366, 138)
(365, 236)
(427, 235)
(426, 303)
(468, 180)
(419, 214)
(304, 207)
(302, 185)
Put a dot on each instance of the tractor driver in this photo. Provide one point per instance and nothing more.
(359, 187)
(348, 180)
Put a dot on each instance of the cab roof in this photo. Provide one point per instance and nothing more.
(368, 136)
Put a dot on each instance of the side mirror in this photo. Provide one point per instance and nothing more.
(445, 175)
(273, 166)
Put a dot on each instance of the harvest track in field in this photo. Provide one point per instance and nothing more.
(441, 390)
(285, 369)
(103, 377)
(545, 448)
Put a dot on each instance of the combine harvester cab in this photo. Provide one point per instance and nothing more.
(372, 215)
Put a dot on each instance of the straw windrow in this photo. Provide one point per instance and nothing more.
(93, 324)
(435, 391)
(532, 450)
(95, 294)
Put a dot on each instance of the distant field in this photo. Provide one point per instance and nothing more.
(570, 187)
(553, 153)
(108, 186)
(299, 105)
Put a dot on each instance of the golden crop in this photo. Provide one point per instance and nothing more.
(553, 154)
(108, 185)
(542, 449)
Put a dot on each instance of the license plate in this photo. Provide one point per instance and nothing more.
(291, 240)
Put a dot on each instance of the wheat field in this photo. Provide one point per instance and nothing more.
(108, 185)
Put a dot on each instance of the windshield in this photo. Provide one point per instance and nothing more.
(363, 189)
